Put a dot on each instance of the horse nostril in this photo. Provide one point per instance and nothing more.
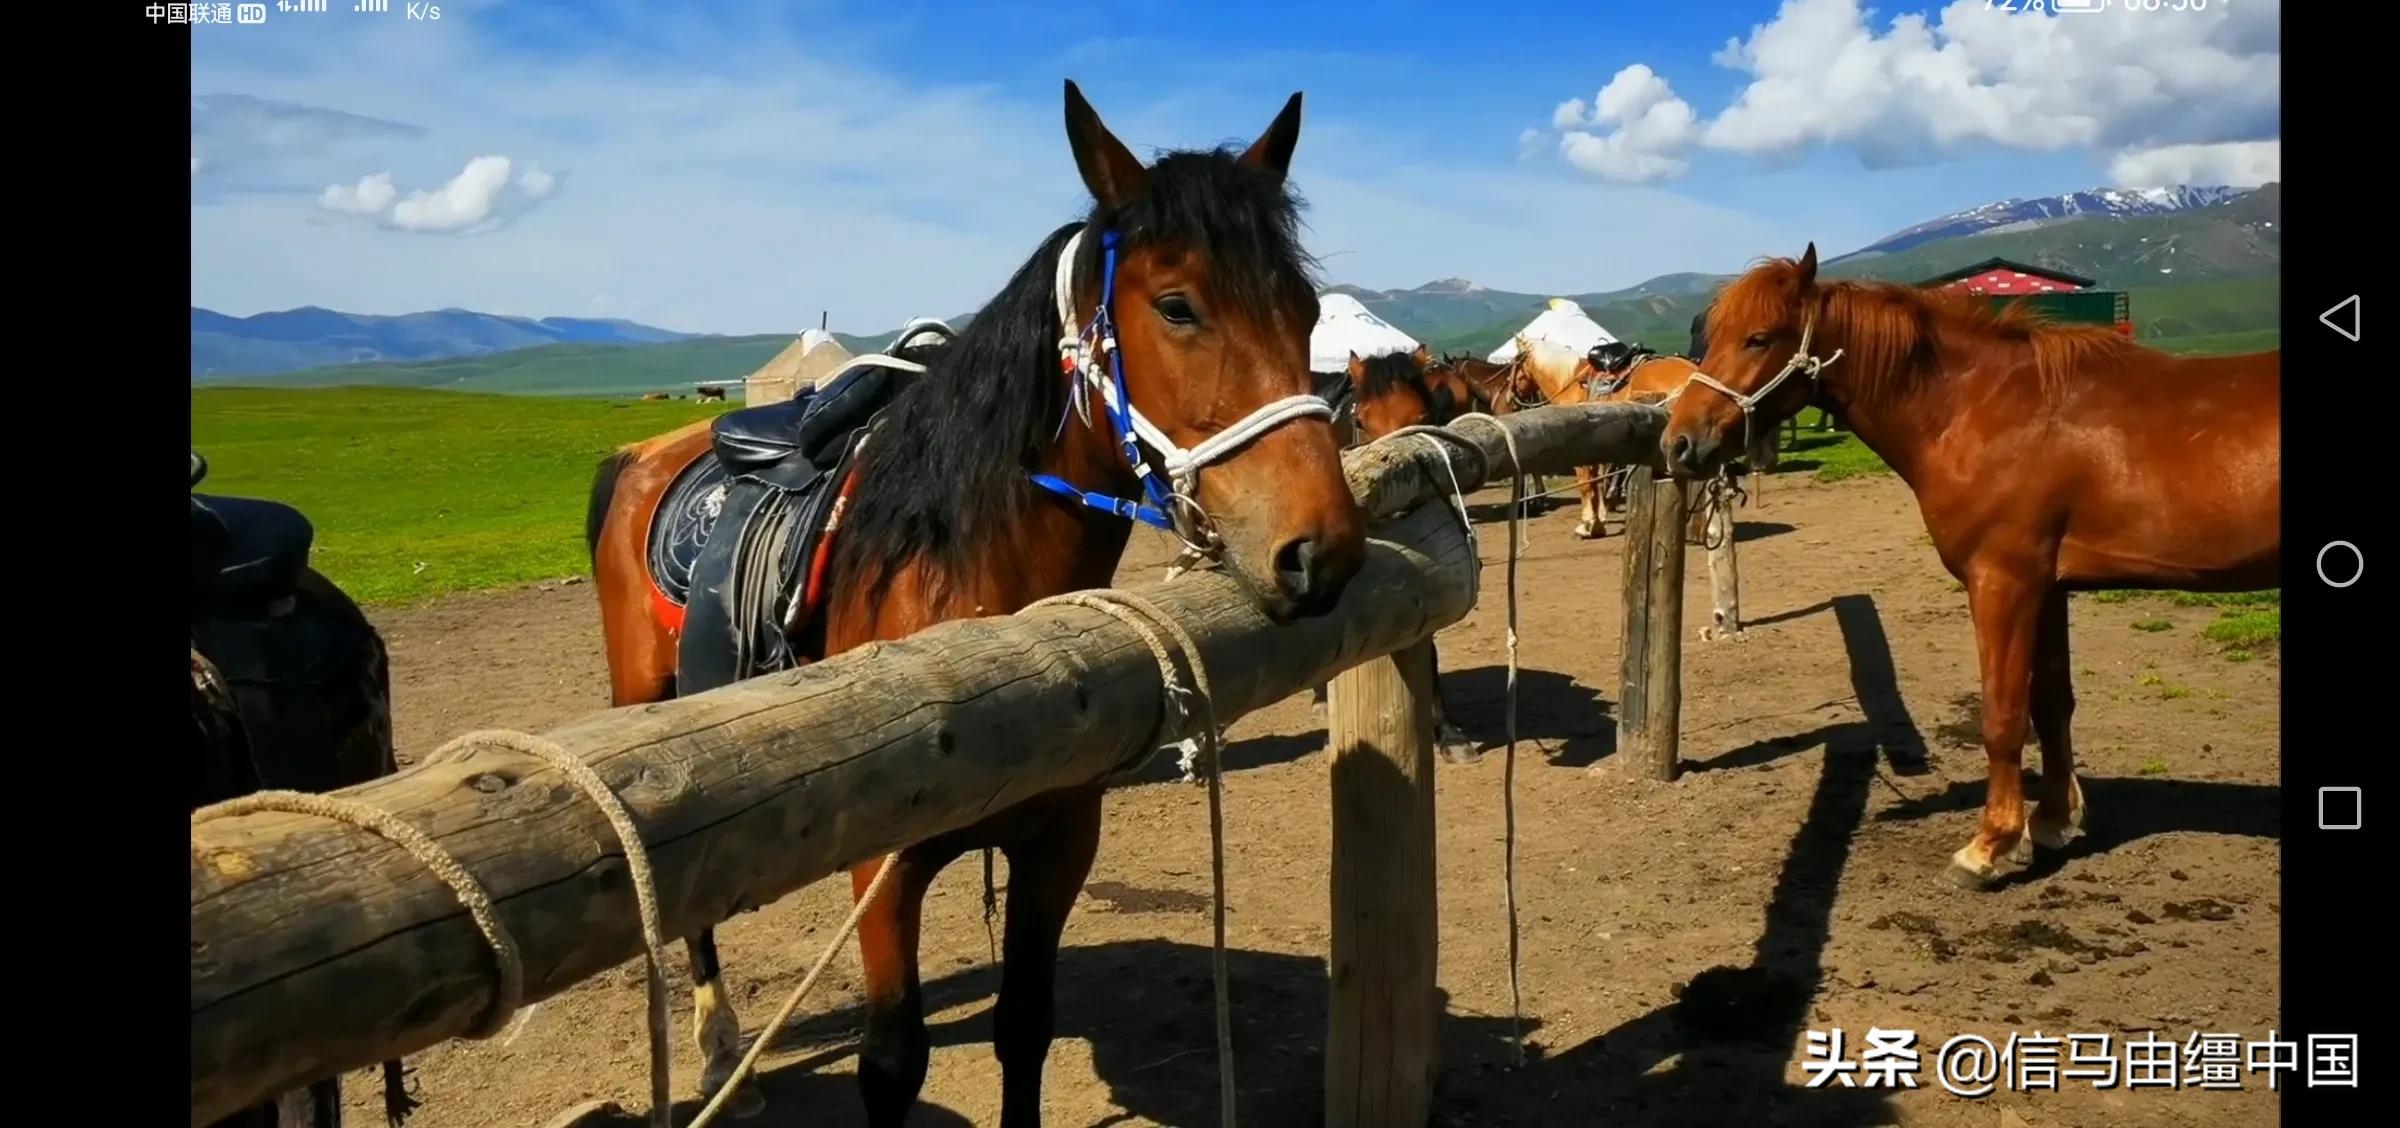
(1681, 451)
(1296, 567)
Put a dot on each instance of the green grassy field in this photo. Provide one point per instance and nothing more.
(417, 493)
(421, 493)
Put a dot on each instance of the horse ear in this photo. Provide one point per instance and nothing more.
(1423, 357)
(1273, 149)
(1357, 367)
(1808, 266)
(1108, 167)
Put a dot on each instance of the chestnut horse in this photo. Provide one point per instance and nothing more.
(1190, 278)
(1650, 379)
(2046, 459)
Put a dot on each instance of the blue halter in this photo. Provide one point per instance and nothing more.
(1102, 331)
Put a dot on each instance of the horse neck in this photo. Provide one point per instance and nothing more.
(1900, 404)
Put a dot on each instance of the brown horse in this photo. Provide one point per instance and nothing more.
(1650, 379)
(1388, 393)
(1212, 305)
(710, 393)
(2046, 459)
(1495, 389)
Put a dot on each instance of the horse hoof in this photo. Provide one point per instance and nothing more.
(2022, 852)
(747, 1102)
(1456, 748)
(1971, 877)
(1587, 530)
(2054, 837)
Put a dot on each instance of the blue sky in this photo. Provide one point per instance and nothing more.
(737, 166)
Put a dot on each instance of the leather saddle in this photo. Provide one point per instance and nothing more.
(741, 533)
(1612, 364)
(274, 636)
(246, 552)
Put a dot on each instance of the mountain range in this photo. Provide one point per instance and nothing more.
(2197, 260)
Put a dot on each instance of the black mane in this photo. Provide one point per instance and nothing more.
(1389, 370)
(946, 469)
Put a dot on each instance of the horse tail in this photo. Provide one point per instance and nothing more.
(604, 492)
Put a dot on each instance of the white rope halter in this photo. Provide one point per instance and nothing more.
(1800, 363)
(1080, 353)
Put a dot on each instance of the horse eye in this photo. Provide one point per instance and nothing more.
(1177, 310)
(1758, 340)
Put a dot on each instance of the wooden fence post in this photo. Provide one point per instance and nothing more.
(1381, 1047)
(1650, 706)
(1724, 575)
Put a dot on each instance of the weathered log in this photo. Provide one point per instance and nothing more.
(318, 948)
(1381, 1048)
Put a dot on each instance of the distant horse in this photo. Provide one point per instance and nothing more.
(1373, 397)
(2046, 459)
(1620, 373)
(993, 480)
(1496, 389)
(710, 393)
(654, 395)
(291, 690)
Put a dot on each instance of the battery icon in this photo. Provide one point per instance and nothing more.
(2078, 5)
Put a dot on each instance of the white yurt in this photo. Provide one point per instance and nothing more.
(1563, 324)
(1343, 327)
(801, 364)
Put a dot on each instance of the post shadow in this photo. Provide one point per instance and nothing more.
(1731, 1031)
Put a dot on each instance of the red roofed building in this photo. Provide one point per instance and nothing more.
(2009, 281)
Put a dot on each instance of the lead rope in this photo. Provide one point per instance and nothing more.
(1130, 609)
(1508, 771)
(508, 964)
(783, 1014)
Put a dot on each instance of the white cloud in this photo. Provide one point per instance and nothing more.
(1647, 127)
(195, 166)
(2244, 164)
(462, 204)
(1568, 115)
(535, 183)
(369, 196)
(1972, 74)
(740, 160)
(478, 199)
(1529, 144)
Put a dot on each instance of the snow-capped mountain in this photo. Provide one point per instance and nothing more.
(2021, 214)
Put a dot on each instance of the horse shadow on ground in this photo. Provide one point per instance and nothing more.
(1716, 1054)
(2122, 811)
(1570, 721)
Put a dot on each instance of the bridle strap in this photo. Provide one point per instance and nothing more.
(1170, 504)
(1801, 362)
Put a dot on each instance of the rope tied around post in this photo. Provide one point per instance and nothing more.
(1131, 610)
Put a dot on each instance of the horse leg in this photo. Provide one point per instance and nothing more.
(2058, 807)
(2007, 611)
(717, 1029)
(892, 1055)
(1587, 492)
(1316, 703)
(1447, 737)
(1045, 873)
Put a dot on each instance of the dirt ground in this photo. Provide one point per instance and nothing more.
(1680, 940)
